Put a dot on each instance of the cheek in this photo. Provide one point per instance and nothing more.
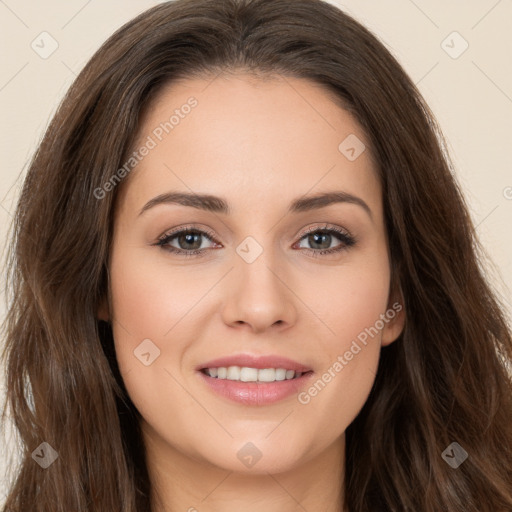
(148, 297)
(147, 302)
(152, 300)
(351, 299)
(351, 306)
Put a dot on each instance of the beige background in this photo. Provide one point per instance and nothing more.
(471, 95)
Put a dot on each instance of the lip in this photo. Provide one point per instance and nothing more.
(255, 393)
(254, 361)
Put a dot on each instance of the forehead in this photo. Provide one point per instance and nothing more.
(254, 140)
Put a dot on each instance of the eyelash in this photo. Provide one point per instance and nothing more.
(346, 239)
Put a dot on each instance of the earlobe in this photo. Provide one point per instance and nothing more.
(394, 319)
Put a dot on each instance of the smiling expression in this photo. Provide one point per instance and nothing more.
(285, 256)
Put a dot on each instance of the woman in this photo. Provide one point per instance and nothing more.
(244, 277)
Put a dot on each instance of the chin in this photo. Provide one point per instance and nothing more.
(257, 458)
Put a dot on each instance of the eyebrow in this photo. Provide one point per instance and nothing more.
(216, 204)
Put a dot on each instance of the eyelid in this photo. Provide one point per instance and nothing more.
(325, 227)
(191, 227)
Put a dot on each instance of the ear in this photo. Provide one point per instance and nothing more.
(394, 321)
(103, 312)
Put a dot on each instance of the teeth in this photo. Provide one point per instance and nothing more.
(281, 373)
(246, 374)
(233, 373)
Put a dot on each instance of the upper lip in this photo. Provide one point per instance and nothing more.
(254, 361)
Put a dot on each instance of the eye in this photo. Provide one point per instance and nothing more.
(320, 240)
(188, 240)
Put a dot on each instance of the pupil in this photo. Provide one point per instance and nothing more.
(189, 238)
(316, 236)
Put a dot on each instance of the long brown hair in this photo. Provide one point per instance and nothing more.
(444, 380)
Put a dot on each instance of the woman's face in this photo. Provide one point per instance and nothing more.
(262, 286)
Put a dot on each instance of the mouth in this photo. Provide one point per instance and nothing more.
(254, 380)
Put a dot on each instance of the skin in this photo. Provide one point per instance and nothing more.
(259, 144)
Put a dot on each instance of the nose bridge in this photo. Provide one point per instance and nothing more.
(257, 294)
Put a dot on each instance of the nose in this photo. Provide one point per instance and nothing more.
(258, 296)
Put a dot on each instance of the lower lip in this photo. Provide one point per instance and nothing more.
(256, 393)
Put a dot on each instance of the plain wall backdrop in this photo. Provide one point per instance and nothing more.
(457, 52)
